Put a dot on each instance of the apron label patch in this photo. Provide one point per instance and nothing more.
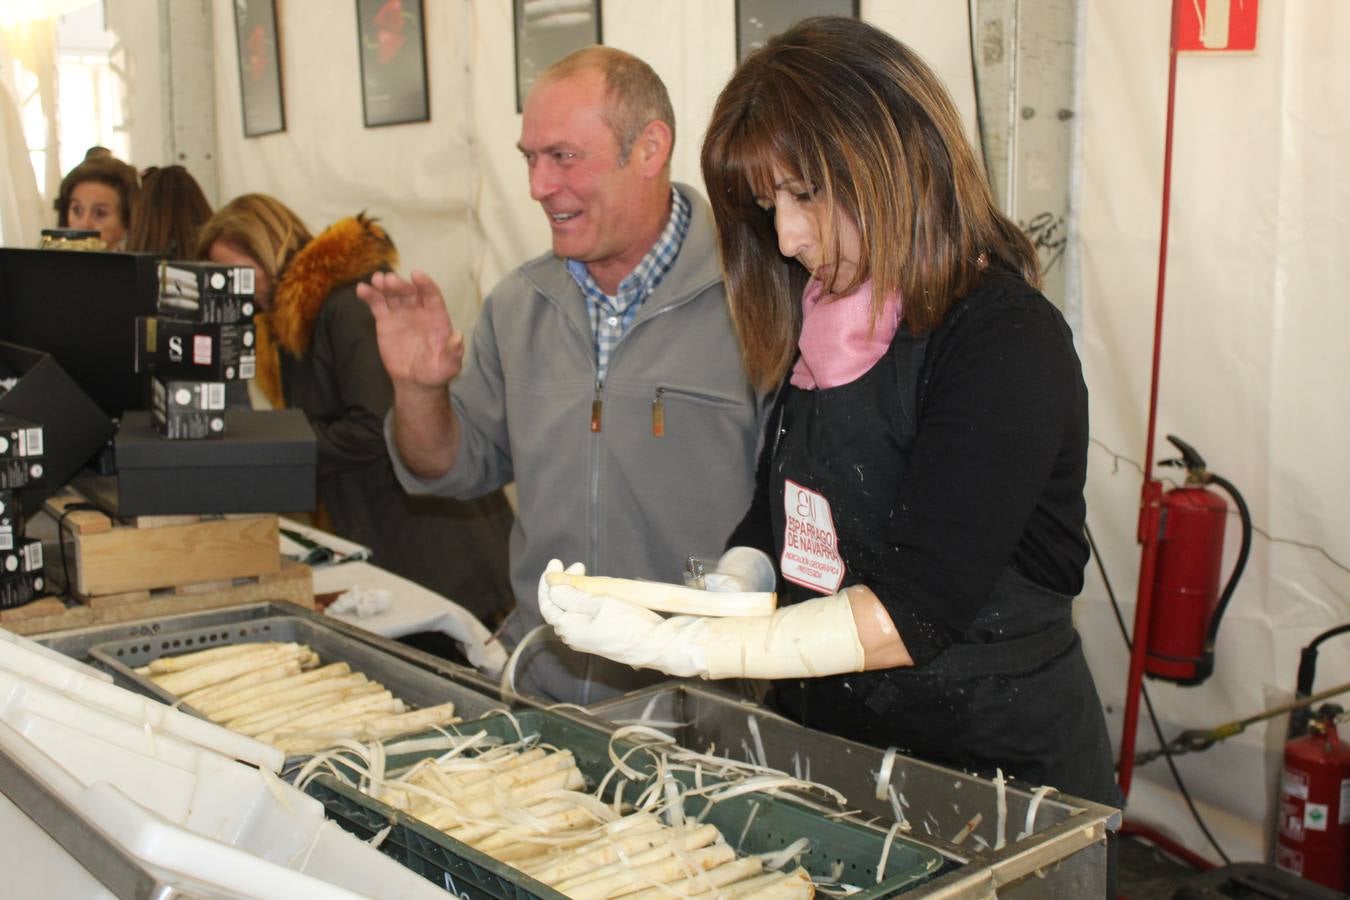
(810, 551)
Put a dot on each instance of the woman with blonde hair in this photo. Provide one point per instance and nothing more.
(317, 352)
(919, 504)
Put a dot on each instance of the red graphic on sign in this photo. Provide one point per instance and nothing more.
(1216, 26)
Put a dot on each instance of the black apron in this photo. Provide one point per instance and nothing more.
(1014, 693)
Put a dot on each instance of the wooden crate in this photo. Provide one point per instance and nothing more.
(106, 556)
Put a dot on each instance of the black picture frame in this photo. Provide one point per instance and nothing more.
(759, 20)
(259, 48)
(392, 46)
(548, 33)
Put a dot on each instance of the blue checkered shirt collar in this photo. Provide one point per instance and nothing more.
(612, 316)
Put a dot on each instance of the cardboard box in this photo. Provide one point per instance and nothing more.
(25, 557)
(19, 437)
(265, 462)
(17, 473)
(73, 427)
(194, 280)
(187, 410)
(194, 351)
(16, 590)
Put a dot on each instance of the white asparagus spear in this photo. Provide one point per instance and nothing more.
(671, 598)
(250, 687)
(189, 680)
(539, 763)
(258, 677)
(201, 657)
(282, 699)
(478, 831)
(705, 883)
(662, 871)
(666, 846)
(417, 720)
(272, 720)
(484, 806)
(566, 820)
(794, 885)
(641, 836)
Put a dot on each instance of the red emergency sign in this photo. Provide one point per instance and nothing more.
(1216, 26)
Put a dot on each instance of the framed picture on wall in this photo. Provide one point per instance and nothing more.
(393, 48)
(255, 29)
(759, 20)
(548, 30)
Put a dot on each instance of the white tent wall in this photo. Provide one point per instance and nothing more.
(1252, 368)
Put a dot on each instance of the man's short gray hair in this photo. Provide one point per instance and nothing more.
(635, 95)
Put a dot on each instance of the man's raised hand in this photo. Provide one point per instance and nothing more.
(419, 344)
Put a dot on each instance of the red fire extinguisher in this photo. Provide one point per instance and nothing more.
(1314, 840)
(1187, 605)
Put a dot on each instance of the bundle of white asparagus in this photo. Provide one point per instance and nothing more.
(280, 694)
(526, 808)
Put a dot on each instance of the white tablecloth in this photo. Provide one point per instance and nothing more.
(412, 608)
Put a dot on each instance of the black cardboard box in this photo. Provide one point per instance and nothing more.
(265, 462)
(73, 427)
(19, 437)
(193, 280)
(187, 410)
(195, 351)
(16, 590)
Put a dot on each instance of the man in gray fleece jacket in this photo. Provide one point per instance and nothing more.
(605, 378)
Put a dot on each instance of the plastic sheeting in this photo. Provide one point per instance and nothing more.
(1253, 370)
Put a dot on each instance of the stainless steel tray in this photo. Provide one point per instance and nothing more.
(416, 687)
(1065, 852)
(77, 642)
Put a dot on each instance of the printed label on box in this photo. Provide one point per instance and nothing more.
(201, 349)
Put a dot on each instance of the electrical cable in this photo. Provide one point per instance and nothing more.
(1148, 702)
(68, 588)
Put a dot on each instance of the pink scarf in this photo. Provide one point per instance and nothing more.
(838, 343)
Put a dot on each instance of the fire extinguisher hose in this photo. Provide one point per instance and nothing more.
(1198, 739)
(1245, 517)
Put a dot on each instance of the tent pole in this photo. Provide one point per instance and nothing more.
(1150, 498)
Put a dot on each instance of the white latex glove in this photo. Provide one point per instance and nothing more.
(817, 637)
(742, 569)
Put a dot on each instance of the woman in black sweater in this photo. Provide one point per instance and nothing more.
(920, 493)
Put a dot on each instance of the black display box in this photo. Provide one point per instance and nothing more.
(195, 351)
(187, 410)
(73, 427)
(265, 462)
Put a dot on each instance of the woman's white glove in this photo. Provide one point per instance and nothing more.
(817, 637)
(743, 569)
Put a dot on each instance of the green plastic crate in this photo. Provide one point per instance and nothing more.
(471, 874)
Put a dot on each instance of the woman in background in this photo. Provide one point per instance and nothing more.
(317, 352)
(97, 195)
(167, 213)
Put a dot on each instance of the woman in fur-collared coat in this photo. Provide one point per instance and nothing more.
(317, 352)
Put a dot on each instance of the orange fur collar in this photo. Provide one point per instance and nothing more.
(347, 251)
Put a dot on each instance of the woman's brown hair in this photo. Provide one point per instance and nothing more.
(862, 121)
(106, 170)
(261, 226)
(168, 212)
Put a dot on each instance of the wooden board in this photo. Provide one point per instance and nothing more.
(294, 582)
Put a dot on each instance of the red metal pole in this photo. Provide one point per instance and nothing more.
(1150, 496)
